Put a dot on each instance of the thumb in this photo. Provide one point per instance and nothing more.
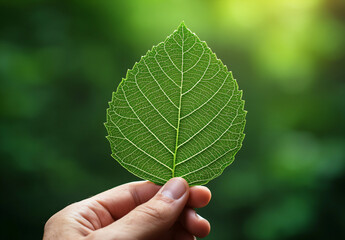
(153, 217)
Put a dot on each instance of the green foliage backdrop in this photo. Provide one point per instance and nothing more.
(61, 60)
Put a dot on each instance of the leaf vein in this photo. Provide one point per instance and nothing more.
(139, 147)
(125, 95)
(207, 100)
(160, 87)
(136, 83)
(210, 145)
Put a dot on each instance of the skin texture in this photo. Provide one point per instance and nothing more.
(134, 211)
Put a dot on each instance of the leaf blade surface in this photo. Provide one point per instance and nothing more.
(178, 112)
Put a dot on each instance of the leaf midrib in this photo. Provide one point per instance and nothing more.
(179, 108)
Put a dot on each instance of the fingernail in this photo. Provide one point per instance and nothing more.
(198, 216)
(174, 188)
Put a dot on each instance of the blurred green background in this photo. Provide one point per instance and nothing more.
(61, 60)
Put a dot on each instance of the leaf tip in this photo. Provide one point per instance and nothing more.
(182, 25)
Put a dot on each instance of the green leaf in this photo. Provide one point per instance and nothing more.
(178, 113)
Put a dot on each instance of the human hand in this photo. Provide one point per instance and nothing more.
(134, 211)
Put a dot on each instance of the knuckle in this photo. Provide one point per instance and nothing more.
(156, 212)
(164, 199)
(134, 194)
(152, 212)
